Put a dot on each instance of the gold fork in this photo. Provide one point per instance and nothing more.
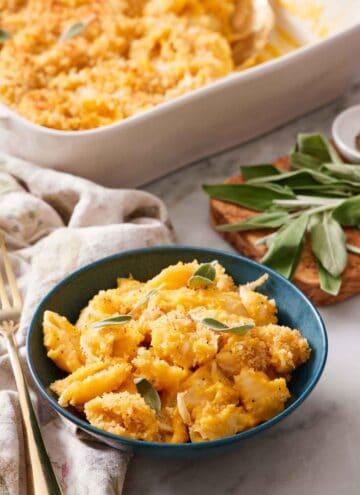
(42, 479)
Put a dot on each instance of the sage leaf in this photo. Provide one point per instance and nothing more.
(307, 202)
(252, 171)
(4, 35)
(76, 29)
(353, 249)
(218, 326)
(257, 198)
(348, 212)
(203, 276)
(343, 171)
(113, 320)
(296, 178)
(285, 249)
(328, 244)
(329, 283)
(301, 161)
(318, 194)
(145, 299)
(318, 147)
(148, 393)
(336, 190)
(270, 220)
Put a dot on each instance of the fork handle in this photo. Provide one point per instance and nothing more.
(43, 478)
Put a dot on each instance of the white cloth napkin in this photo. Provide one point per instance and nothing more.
(55, 223)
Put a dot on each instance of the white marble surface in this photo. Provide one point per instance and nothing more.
(316, 450)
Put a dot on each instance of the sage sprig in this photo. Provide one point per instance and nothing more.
(285, 249)
(328, 282)
(204, 276)
(148, 393)
(113, 320)
(318, 147)
(328, 243)
(145, 299)
(272, 219)
(255, 171)
(76, 29)
(316, 197)
(218, 326)
(121, 319)
(348, 212)
(4, 35)
(257, 197)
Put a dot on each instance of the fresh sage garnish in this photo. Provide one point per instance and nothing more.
(318, 195)
(218, 326)
(343, 171)
(301, 160)
(296, 178)
(259, 197)
(121, 319)
(204, 276)
(328, 243)
(272, 219)
(285, 250)
(318, 147)
(4, 35)
(76, 29)
(113, 320)
(348, 212)
(145, 299)
(254, 171)
(148, 393)
(328, 282)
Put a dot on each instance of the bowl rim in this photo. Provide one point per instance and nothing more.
(84, 425)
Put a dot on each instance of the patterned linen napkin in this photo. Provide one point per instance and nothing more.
(55, 223)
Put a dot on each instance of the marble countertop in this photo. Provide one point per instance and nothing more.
(315, 450)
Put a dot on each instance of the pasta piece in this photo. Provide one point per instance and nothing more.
(208, 385)
(159, 372)
(90, 381)
(62, 341)
(171, 426)
(287, 348)
(176, 338)
(262, 397)
(258, 306)
(114, 341)
(124, 414)
(243, 352)
(215, 421)
(174, 276)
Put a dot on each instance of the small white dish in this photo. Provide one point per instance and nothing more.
(345, 128)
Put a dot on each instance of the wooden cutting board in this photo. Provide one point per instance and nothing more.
(305, 276)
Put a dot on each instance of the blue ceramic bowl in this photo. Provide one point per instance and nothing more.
(73, 293)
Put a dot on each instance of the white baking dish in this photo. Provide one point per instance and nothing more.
(223, 114)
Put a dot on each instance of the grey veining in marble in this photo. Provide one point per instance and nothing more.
(317, 449)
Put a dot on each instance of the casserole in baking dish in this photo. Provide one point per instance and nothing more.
(206, 120)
